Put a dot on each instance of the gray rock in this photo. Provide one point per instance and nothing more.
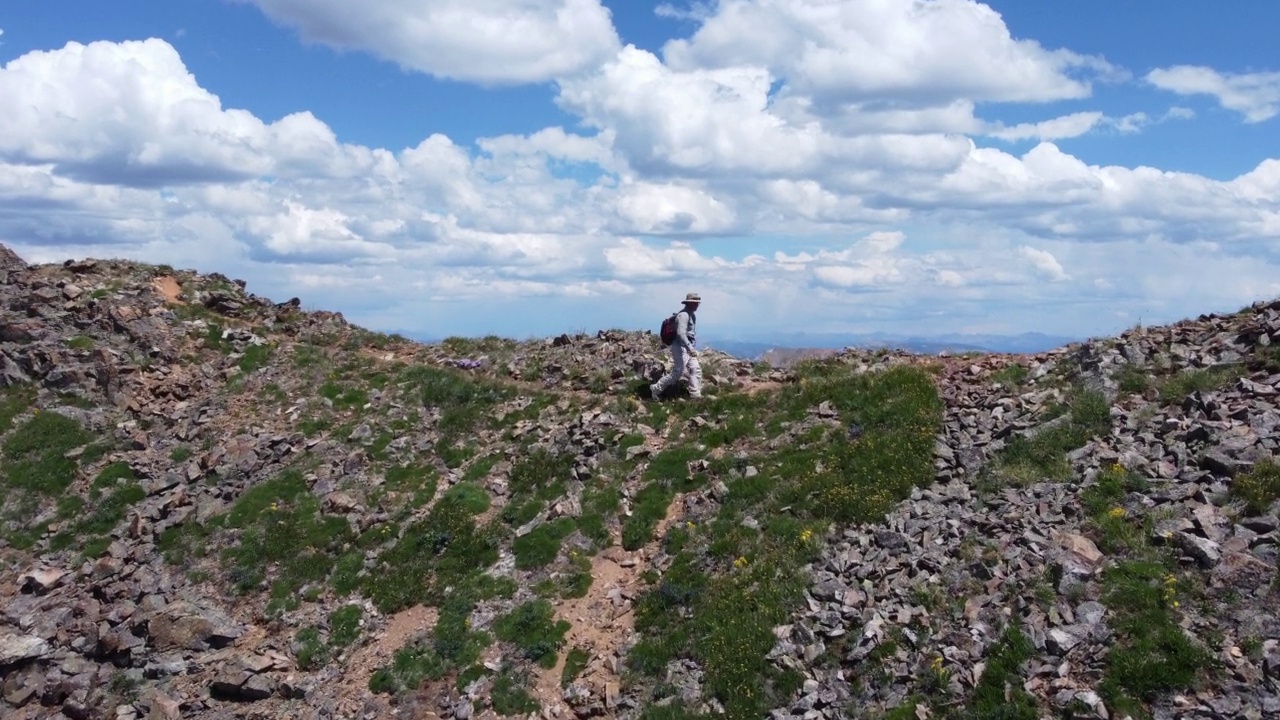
(1206, 552)
(15, 648)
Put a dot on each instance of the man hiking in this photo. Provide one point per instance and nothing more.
(684, 352)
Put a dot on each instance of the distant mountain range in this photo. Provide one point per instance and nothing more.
(953, 342)
(790, 346)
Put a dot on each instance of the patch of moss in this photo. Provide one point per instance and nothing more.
(34, 454)
(540, 546)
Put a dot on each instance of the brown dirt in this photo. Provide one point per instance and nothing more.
(168, 288)
(366, 659)
(752, 386)
(601, 625)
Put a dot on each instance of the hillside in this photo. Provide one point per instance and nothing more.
(220, 506)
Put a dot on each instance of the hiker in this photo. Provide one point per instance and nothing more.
(684, 352)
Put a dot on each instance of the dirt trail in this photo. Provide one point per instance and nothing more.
(366, 659)
(602, 621)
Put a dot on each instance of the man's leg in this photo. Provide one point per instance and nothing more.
(694, 372)
(677, 369)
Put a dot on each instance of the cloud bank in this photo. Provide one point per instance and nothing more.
(793, 161)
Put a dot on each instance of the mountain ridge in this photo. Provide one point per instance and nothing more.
(217, 505)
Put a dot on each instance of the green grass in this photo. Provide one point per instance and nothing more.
(112, 474)
(1040, 458)
(729, 585)
(480, 468)
(411, 666)
(346, 573)
(1132, 379)
(475, 346)
(451, 647)
(109, 511)
(542, 544)
(15, 401)
(1268, 358)
(575, 662)
(510, 697)
(81, 342)
(418, 481)
(454, 453)
(999, 694)
(462, 400)
(538, 469)
(343, 396)
(599, 504)
(1151, 654)
(439, 557)
(344, 625)
(255, 357)
(1115, 530)
(312, 426)
(181, 544)
(734, 416)
(282, 534)
(667, 474)
(305, 356)
(344, 629)
(98, 520)
(213, 337)
(1259, 488)
(312, 651)
(1176, 387)
(532, 628)
(1011, 376)
(468, 497)
(34, 454)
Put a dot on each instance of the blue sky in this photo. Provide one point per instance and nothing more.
(527, 167)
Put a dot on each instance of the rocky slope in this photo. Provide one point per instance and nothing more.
(216, 505)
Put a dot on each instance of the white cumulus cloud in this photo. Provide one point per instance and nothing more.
(705, 171)
(1044, 262)
(1067, 126)
(914, 51)
(487, 41)
(1254, 95)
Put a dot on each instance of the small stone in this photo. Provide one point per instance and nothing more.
(164, 707)
(1060, 642)
(612, 693)
(1207, 552)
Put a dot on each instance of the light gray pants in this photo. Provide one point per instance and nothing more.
(684, 365)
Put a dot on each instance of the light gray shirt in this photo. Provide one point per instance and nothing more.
(686, 330)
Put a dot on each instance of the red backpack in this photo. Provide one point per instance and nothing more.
(668, 330)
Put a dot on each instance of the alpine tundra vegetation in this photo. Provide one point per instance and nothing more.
(216, 505)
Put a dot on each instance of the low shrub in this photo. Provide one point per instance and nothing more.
(1259, 487)
(532, 628)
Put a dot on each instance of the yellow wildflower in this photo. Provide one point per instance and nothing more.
(741, 562)
(1117, 512)
(1171, 590)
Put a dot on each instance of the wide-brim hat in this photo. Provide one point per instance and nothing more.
(693, 298)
